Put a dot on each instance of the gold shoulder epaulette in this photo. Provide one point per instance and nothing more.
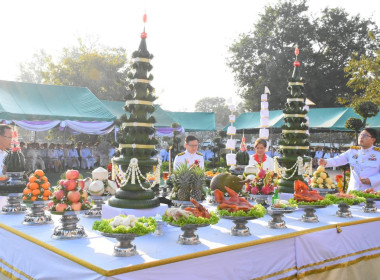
(181, 154)
(355, 147)
(377, 149)
(200, 154)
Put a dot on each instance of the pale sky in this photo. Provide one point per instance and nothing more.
(189, 39)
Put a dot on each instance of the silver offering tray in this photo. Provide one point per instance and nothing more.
(37, 215)
(343, 210)
(14, 205)
(240, 228)
(323, 192)
(277, 213)
(263, 199)
(125, 247)
(211, 200)
(96, 210)
(182, 203)
(369, 206)
(309, 216)
(68, 228)
(188, 237)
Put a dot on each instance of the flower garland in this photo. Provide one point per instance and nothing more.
(134, 172)
(297, 166)
(256, 157)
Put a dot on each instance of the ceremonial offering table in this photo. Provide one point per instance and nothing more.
(333, 248)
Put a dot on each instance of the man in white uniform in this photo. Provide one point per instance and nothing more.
(190, 155)
(364, 162)
(5, 143)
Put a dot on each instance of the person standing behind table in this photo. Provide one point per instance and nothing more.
(190, 155)
(260, 159)
(364, 162)
(6, 133)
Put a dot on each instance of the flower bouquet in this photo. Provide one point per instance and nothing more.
(262, 183)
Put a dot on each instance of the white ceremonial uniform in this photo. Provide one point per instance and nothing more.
(268, 164)
(364, 163)
(3, 154)
(186, 157)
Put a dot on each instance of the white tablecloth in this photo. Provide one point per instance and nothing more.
(268, 253)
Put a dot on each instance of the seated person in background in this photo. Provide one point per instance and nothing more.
(73, 157)
(260, 160)
(190, 155)
(54, 161)
(87, 159)
(37, 161)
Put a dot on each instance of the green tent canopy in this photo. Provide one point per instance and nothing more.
(319, 118)
(116, 108)
(190, 121)
(195, 121)
(38, 102)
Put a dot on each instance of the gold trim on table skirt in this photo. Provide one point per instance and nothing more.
(182, 257)
(9, 274)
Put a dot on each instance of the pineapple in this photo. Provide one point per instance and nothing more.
(182, 180)
(197, 181)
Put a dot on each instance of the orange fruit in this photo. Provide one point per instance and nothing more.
(33, 186)
(45, 185)
(39, 173)
(33, 198)
(44, 178)
(45, 198)
(47, 193)
(32, 179)
(24, 198)
(36, 192)
(27, 191)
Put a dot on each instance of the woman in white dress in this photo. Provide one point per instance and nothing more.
(260, 160)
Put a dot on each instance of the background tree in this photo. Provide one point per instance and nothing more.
(364, 76)
(365, 110)
(218, 106)
(102, 69)
(261, 56)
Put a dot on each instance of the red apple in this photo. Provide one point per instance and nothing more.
(60, 207)
(72, 174)
(81, 184)
(59, 194)
(62, 182)
(70, 184)
(73, 196)
(76, 206)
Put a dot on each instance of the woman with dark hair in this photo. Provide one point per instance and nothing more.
(260, 160)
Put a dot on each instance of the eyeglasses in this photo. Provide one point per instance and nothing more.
(9, 137)
(193, 146)
(365, 136)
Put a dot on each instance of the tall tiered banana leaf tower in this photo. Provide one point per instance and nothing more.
(136, 143)
(294, 143)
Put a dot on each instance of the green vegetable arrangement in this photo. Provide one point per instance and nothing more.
(365, 195)
(348, 201)
(191, 219)
(142, 226)
(323, 202)
(257, 211)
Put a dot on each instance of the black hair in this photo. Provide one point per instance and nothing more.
(371, 131)
(4, 127)
(190, 138)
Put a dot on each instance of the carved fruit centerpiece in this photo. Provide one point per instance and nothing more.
(70, 194)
